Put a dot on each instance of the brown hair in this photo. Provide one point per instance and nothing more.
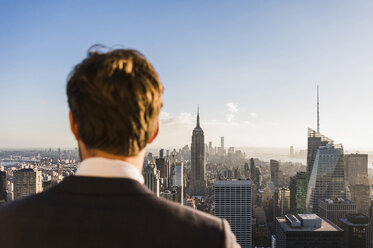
(115, 98)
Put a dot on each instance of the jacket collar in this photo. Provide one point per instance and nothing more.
(102, 186)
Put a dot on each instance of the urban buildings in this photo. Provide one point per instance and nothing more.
(233, 201)
(27, 181)
(274, 171)
(298, 192)
(198, 175)
(336, 209)
(306, 230)
(151, 178)
(356, 231)
(327, 175)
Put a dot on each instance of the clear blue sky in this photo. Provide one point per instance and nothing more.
(253, 67)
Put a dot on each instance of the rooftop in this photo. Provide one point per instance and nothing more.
(325, 226)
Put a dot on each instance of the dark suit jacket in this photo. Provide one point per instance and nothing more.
(107, 212)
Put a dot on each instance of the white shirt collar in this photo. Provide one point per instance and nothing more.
(109, 168)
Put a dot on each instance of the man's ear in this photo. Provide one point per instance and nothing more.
(74, 126)
(155, 135)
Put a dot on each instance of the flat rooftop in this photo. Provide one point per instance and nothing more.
(326, 226)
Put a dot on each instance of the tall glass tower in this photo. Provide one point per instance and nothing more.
(326, 179)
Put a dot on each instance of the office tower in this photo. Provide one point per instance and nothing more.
(3, 186)
(327, 176)
(314, 141)
(333, 210)
(356, 231)
(284, 201)
(198, 176)
(258, 176)
(360, 193)
(253, 175)
(246, 169)
(274, 171)
(151, 178)
(179, 177)
(357, 180)
(222, 143)
(291, 151)
(233, 202)
(161, 153)
(230, 151)
(27, 182)
(307, 230)
(298, 192)
(163, 165)
(211, 149)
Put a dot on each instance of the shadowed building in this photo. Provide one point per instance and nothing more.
(356, 230)
(198, 176)
(233, 202)
(307, 230)
(298, 192)
(3, 186)
(27, 182)
(274, 165)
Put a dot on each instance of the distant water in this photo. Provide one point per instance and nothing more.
(8, 163)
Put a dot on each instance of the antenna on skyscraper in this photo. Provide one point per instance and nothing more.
(318, 110)
(198, 125)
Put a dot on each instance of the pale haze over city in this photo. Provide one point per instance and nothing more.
(252, 66)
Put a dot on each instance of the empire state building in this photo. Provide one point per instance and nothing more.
(198, 178)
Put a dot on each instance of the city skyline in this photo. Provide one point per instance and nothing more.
(252, 67)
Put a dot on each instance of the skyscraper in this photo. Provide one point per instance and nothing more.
(151, 178)
(3, 186)
(27, 182)
(253, 175)
(356, 171)
(327, 176)
(198, 176)
(315, 140)
(274, 171)
(233, 202)
(356, 230)
(298, 192)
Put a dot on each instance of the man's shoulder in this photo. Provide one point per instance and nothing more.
(184, 214)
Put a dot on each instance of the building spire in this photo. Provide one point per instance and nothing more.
(318, 110)
(198, 126)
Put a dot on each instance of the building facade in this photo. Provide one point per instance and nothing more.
(298, 192)
(233, 202)
(356, 230)
(336, 209)
(27, 182)
(151, 178)
(3, 187)
(327, 176)
(275, 166)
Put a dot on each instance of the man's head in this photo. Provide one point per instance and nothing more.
(115, 99)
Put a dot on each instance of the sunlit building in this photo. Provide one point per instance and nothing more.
(327, 176)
